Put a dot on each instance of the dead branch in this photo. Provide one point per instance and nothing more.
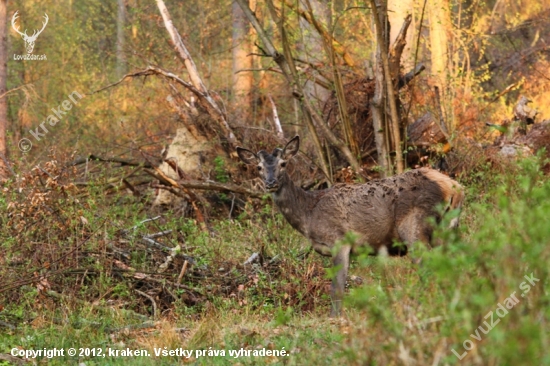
(212, 109)
(157, 173)
(159, 234)
(141, 223)
(172, 163)
(182, 272)
(13, 90)
(155, 244)
(407, 78)
(173, 190)
(133, 189)
(153, 302)
(179, 285)
(182, 52)
(398, 46)
(215, 186)
(253, 258)
(327, 37)
(122, 162)
(180, 48)
(276, 120)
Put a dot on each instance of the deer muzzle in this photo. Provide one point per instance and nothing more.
(272, 185)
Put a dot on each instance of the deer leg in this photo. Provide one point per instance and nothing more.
(341, 260)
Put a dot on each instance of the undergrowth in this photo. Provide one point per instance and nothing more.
(76, 272)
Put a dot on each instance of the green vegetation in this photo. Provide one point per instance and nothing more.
(90, 260)
(396, 312)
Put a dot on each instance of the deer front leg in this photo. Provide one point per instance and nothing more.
(341, 260)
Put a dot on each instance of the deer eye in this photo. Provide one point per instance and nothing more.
(283, 164)
(259, 168)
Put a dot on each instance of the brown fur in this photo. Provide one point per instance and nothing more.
(380, 212)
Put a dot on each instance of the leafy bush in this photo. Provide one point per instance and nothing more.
(501, 251)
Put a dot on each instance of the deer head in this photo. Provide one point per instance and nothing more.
(271, 167)
(29, 40)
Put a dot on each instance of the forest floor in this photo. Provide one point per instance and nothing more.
(83, 281)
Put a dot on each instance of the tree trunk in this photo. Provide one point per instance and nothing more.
(120, 23)
(241, 49)
(3, 87)
(397, 13)
(379, 123)
(379, 11)
(440, 25)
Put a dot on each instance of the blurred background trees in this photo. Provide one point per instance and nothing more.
(479, 57)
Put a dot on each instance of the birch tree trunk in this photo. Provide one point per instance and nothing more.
(241, 50)
(440, 26)
(397, 13)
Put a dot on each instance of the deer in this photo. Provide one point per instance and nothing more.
(379, 212)
(29, 40)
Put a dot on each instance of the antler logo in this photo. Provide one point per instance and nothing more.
(29, 40)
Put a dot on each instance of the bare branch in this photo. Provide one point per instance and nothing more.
(406, 79)
(182, 272)
(181, 50)
(328, 38)
(159, 234)
(157, 173)
(150, 298)
(276, 120)
(290, 73)
(213, 186)
(122, 162)
(207, 101)
(398, 46)
(12, 90)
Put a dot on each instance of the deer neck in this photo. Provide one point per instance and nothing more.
(294, 203)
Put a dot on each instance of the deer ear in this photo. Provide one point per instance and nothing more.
(292, 147)
(247, 156)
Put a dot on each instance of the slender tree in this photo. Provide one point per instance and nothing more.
(440, 26)
(3, 85)
(384, 81)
